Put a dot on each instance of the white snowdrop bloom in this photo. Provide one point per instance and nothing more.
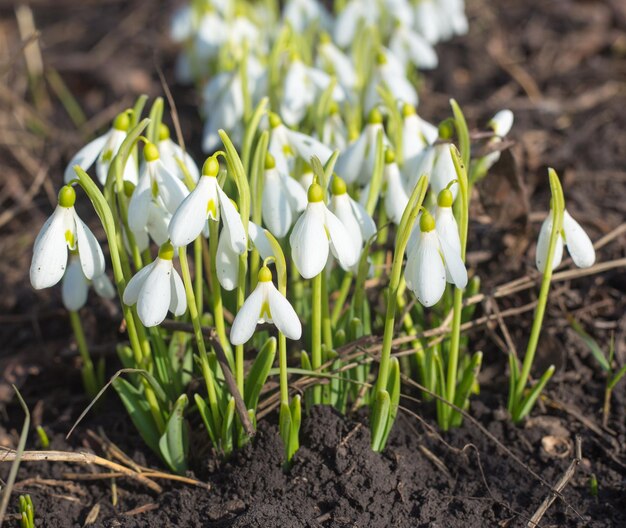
(156, 289)
(390, 72)
(75, 285)
(182, 25)
(411, 47)
(501, 124)
(417, 134)
(356, 162)
(352, 214)
(317, 230)
(156, 184)
(301, 14)
(171, 154)
(443, 171)
(396, 196)
(430, 261)
(440, 20)
(283, 198)
(265, 305)
(156, 227)
(216, 32)
(64, 231)
(354, 13)
(102, 150)
(285, 144)
(301, 87)
(207, 202)
(307, 179)
(335, 61)
(222, 101)
(573, 236)
(334, 130)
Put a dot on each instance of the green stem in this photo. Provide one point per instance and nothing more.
(282, 365)
(316, 331)
(197, 255)
(327, 331)
(89, 374)
(344, 289)
(216, 291)
(241, 297)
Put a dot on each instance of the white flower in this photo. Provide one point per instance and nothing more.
(443, 171)
(64, 231)
(431, 260)
(171, 154)
(156, 185)
(501, 124)
(573, 235)
(348, 20)
(285, 144)
(390, 72)
(302, 14)
(441, 19)
(396, 196)
(334, 131)
(102, 150)
(356, 163)
(335, 61)
(352, 214)
(156, 289)
(265, 305)
(410, 47)
(316, 230)
(75, 285)
(207, 202)
(417, 134)
(283, 198)
(156, 228)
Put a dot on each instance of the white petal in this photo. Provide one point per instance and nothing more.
(103, 286)
(50, 250)
(350, 161)
(178, 301)
(578, 242)
(340, 243)
(74, 288)
(171, 189)
(295, 193)
(283, 314)
(443, 171)
(430, 271)
(412, 139)
(342, 208)
(155, 294)
(85, 157)
(230, 217)
(158, 222)
(186, 158)
(422, 164)
(396, 198)
(307, 147)
(89, 251)
(248, 316)
(131, 172)
(190, 217)
(259, 239)
(454, 264)
(502, 122)
(543, 245)
(368, 227)
(420, 51)
(139, 205)
(309, 241)
(131, 293)
(227, 261)
(276, 209)
(447, 228)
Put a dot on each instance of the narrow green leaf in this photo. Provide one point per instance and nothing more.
(139, 411)
(380, 416)
(258, 373)
(294, 432)
(174, 442)
(226, 434)
(528, 403)
(393, 388)
(205, 413)
(591, 343)
(156, 117)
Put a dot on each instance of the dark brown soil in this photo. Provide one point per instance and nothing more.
(560, 66)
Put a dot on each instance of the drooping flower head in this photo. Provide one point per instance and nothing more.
(172, 154)
(75, 286)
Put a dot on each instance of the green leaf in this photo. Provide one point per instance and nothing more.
(462, 132)
(323, 106)
(296, 419)
(251, 128)
(528, 403)
(207, 418)
(393, 388)
(380, 415)
(258, 373)
(226, 433)
(174, 442)
(464, 388)
(376, 182)
(138, 409)
(591, 343)
(284, 425)
(138, 110)
(156, 117)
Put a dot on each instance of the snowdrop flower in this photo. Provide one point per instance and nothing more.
(411, 47)
(285, 144)
(417, 134)
(171, 154)
(441, 19)
(430, 260)
(156, 185)
(102, 150)
(316, 230)
(501, 124)
(156, 228)
(356, 163)
(265, 305)
(64, 231)
(443, 171)
(390, 72)
(75, 285)
(207, 202)
(301, 87)
(283, 198)
(396, 196)
(347, 22)
(573, 235)
(352, 214)
(334, 131)
(156, 289)
(335, 61)
(301, 14)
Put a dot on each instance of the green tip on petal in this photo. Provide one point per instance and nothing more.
(164, 132)
(315, 193)
(211, 167)
(270, 162)
(381, 58)
(129, 188)
(67, 196)
(274, 120)
(265, 275)
(390, 156)
(445, 198)
(408, 110)
(427, 222)
(150, 152)
(166, 251)
(338, 186)
(122, 122)
(374, 117)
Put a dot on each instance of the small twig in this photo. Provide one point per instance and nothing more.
(558, 488)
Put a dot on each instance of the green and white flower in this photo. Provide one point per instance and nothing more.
(75, 286)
